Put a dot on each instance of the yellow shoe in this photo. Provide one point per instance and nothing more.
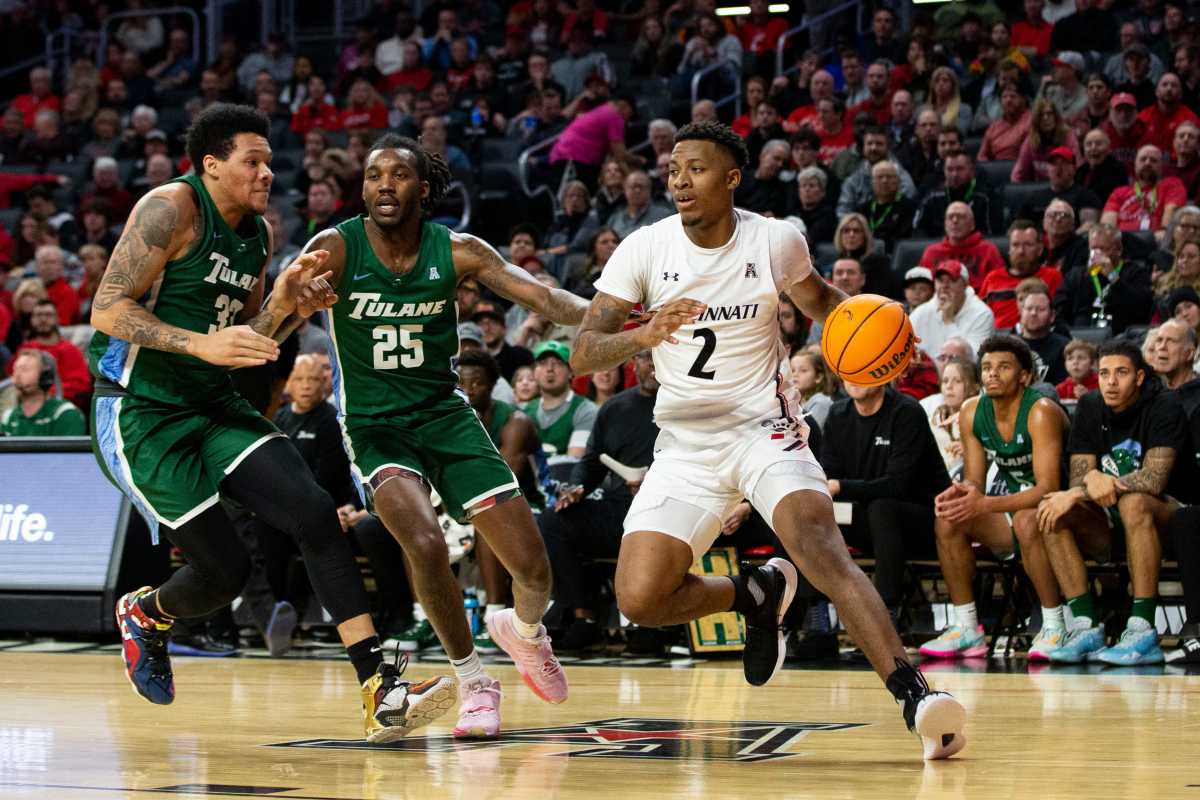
(392, 708)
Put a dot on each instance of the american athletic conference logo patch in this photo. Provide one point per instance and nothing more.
(625, 737)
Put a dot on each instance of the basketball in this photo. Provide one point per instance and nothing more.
(867, 340)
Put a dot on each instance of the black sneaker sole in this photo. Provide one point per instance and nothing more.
(766, 648)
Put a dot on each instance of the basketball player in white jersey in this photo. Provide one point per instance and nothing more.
(711, 277)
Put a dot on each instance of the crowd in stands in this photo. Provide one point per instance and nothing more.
(1024, 177)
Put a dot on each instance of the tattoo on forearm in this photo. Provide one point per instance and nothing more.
(264, 323)
(138, 326)
(601, 343)
(565, 308)
(1080, 467)
(1152, 477)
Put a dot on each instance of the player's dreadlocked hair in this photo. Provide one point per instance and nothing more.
(431, 167)
(718, 134)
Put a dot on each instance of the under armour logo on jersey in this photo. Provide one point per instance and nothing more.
(433, 274)
(751, 272)
(671, 276)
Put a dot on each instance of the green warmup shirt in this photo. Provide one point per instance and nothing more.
(55, 418)
(1013, 458)
(204, 291)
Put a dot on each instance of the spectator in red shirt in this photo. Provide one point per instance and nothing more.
(51, 268)
(72, 367)
(1126, 133)
(754, 93)
(820, 87)
(106, 186)
(964, 244)
(412, 73)
(999, 288)
(588, 16)
(365, 109)
(315, 112)
(39, 98)
(1150, 202)
(1032, 34)
(1081, 377)
(760, 31)
(879, 100)
(458, 74)
(831, 126)
(1003, 139)
(1167, 114)
(13, 182)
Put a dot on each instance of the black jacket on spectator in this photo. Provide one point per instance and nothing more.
(819, 222)
(1048, 362)
(921, 167)
(756, 140)
(1120, 441)
(930, 219)
(1070, 254)
(318, 437)
(891, 453)
(624, 429)
(1189, 397)
(1129, 301)
(762, 196)
(1092, 29)
(890, 223)
(1076, 196)
(1109, 175)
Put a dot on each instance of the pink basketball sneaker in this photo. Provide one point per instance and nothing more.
(534, 659)
(479, 709)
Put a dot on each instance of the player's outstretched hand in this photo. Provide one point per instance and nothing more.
(298, 278)
(238, 346)
(670, 318)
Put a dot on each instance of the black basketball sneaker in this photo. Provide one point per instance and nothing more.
(766, 642)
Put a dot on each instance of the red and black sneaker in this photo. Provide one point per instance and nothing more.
(144, 647)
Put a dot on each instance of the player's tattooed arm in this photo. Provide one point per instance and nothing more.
(1152, 477)
(601, 344)
(333, 267)
(473, 256)
(161, 226)
(814, 297)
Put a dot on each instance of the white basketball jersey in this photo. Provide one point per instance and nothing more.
(724, 371)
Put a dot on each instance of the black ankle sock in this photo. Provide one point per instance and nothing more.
(906, 682)
(744, 601)
(149, 606)
(366, 656)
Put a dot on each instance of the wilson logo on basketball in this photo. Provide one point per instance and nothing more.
(896, 360)
(627, 737)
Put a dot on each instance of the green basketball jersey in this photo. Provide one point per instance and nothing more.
(501, 413)
(1013, 458)
(204, 291)
(556, 437)
(394, 335)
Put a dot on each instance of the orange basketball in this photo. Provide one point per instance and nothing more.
(868, 340)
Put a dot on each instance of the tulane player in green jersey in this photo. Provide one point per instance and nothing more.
(181, 303)
(407, 427)
(1021, 432)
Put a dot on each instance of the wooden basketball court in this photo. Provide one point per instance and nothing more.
(71, 728)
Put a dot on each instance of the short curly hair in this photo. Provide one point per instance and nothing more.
(720, 135)
(214, 129)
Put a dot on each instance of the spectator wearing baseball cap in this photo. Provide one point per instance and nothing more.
(954, 311)
(509, 357)
(1066, 89)
(564, 419)
(1062, 172)
(1126, 133)
(1114, 67)
(1138, 83)
(471, 338)
(918, 287)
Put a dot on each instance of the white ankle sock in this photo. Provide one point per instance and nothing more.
(491, 610)
(524, 629)
(1053, 618)
(418, 613)
(469, 668)
(964, 615)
